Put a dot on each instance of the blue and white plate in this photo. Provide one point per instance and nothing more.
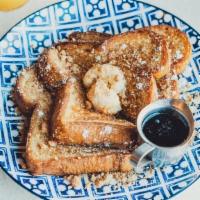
(22, 45)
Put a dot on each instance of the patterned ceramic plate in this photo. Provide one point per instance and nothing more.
(22, 45)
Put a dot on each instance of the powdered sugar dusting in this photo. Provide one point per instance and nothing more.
(48, 67)
(139, 86)
(40, 113)
(85, 133)
(72, 80)
(98, 58)
(178, 54)
(107, 130)
(124, 46)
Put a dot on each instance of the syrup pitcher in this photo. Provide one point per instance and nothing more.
(166, 128)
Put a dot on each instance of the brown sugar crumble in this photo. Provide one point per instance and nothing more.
(116, 179)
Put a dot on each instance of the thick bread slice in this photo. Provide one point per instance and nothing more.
(89, 37)
(73, 124)
(46, 157)
(58, 63)
(135, 50)
(27, 90)
(167, 85)
(179, 46)
(141, 55)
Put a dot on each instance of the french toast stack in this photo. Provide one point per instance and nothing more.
(83, 97)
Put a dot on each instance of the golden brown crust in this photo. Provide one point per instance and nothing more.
(90, 164)
(141, 48)
(141, 55)
(47, 69)
(47, 157)
(24, 105)
(178, 44)
(180, 53)
(43, 158)
(71, 122)
(74, 57)
(27, 83)
(65, 59)
(89, 37)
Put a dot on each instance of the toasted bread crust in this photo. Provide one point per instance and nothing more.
(89, 37)
(178, 44)
(60, 62)
(73, 57)
(135, 49)
(71, 122)
(43, 158)
(133, 52)
(25, 82)
(90, 164)
(177, 41)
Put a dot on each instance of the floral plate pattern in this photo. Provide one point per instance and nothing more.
(22, 45)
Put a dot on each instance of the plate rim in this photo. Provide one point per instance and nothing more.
(46, 7)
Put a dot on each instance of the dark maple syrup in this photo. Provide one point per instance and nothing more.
(166, 127)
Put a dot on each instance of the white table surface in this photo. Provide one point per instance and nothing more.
(188, 10)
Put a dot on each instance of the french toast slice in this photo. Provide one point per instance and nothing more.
(73, 57)
(73, 124)
(63, 60)
(141, 55)
(135, 50)
(27, 103)
(47, 157)
(167, 85)
(179, 45)
(89, 37)
(180, 53)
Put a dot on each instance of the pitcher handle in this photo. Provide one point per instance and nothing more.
(140, 158)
